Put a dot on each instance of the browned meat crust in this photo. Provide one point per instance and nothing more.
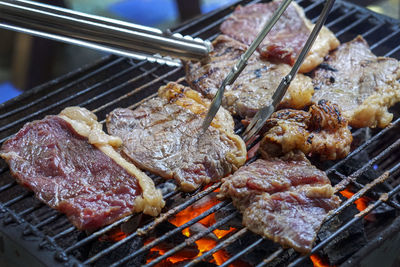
(284, 42)
(285, 199)
(76, 170)
(361, 84)
(162, 136)
(253, 88)
(321, 131)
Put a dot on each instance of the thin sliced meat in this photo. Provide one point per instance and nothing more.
(286, 39)
(255, 85)
(163, 136)
(71, 165)
(363, 85)
(321, 131)
(285, 199)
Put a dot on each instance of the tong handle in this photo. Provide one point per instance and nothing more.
(108, 35)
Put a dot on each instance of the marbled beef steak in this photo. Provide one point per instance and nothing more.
(163, 136)
(71, 165)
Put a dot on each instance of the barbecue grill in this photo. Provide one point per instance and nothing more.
(32, 233)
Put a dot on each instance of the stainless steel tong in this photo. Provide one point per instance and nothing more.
(104, 34)
(264, 113)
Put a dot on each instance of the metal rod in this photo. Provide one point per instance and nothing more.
(164, 237)
(107, 35)
(192, 239)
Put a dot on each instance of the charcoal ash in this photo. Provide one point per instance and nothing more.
(199, 228)
(167, 187)
(347, 242)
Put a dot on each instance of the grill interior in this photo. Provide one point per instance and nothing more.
(118, 82)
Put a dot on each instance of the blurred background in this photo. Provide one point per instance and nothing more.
(27, 61)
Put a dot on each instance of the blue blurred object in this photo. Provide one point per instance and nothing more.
(210, 5)
(8, 91)
(146, 12)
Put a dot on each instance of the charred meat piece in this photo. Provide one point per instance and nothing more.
(286, 39)
(285, 200)
(321, 131)
(71, 165)
(361, 84)
(255, 85)
(163, 136)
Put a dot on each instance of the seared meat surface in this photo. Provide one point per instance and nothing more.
(361, 84)
(163, 136)
(285, 200)
(74, 175)
(321, 131)
(286, 39)
(255, 85)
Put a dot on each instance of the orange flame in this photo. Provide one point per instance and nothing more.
(114, 236)
(361, 203)
(317, 261)
(204, 244)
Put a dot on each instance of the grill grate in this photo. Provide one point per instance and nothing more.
(117, 82)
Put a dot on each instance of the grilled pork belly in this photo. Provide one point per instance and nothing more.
(360, 83)
(163, 136)
(321, 131)
(285, 199)
(286, 39)
(255, 85)
(71, 165)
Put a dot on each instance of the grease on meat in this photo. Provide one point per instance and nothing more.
(255, 85)
(72, 165)
(363, 85)
(284, 199)
(286, 39)
(321, 131)
(163, 136)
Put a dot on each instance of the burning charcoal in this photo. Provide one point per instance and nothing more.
(210, 198)
(236, 222)
(199, 228)
(174, 240)
(347, 242)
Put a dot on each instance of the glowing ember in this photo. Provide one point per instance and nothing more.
(114, 236)
(361, 203)
(317, 261)
(204, 244)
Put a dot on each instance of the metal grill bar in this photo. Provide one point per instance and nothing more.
(68, 99)
(352, 25)
(273, 256)
(162, 78)
(136, 90)
(341, 18)
(166, 236)
(148, 226)
(218, 247)
(372, 30)
(192, 239)
(357, 217)
(242, 252)
(61, 89)
(386, 38)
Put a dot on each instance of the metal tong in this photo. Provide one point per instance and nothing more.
(104, 34)
(265, 112)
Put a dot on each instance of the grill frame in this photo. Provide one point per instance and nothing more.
(84, 84)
